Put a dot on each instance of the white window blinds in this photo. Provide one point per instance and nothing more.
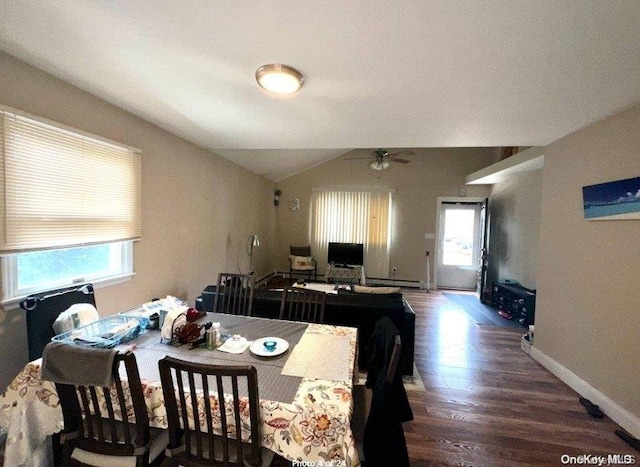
(60, 188)
(353, 216)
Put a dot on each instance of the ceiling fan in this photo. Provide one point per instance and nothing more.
(381, 159)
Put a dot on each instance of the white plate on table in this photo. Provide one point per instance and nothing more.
(257, 348)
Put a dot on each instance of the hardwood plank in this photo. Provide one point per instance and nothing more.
(486, 402)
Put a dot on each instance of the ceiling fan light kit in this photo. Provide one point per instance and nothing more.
(379, 164)
(279, 78)
(381, 159)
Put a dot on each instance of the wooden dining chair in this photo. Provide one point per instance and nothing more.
(384, 442)
(234, 294)
(95, 432)
(209, 430)
(392, 368)
(299, 304)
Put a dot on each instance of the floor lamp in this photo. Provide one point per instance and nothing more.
(252, 242)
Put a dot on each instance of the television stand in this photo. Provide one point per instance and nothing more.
(349, 274)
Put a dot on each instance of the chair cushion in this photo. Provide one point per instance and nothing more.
(159, 441)
(375, 290)
(303, 263)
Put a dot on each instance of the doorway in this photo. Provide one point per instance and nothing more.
(459, 242)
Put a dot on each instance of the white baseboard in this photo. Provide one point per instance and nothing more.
(621, 416)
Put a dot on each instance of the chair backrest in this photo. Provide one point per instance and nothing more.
(384, 439)
(389, 399)
(103, 431)
(42, 310)
(300, 250)
(392, 368)
(217, 426)
(234, 294)
(298, 304)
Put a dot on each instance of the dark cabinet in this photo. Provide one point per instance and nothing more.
(517, 301)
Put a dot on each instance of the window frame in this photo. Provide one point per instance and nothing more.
(12, 295)
(72, 142)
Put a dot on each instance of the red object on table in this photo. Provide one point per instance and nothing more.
(193, 314)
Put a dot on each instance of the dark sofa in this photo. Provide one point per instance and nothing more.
(359, 310)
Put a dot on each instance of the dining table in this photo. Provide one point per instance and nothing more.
(305, 390)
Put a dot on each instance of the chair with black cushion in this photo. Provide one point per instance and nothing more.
(217, 435)
(44, 308)
(234, 294)
(299, 304)
(94, 432)
(301, 262)
(384, 442)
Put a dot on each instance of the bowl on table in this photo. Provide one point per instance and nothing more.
(269, 345)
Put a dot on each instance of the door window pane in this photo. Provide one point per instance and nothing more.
(458, 237)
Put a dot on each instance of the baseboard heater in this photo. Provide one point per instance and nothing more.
(370, 281)
(397, 282)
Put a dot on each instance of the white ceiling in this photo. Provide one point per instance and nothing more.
(392, 74)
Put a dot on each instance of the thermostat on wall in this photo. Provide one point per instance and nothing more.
(294, 204)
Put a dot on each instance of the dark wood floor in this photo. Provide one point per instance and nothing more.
(486, 402)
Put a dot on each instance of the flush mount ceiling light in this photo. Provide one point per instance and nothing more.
(279, 79)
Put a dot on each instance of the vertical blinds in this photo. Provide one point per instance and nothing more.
(60, 188)
(353, 216)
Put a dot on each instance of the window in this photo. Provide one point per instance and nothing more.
(50, 269)
(356, 217)
(459, 234)
(70, 205)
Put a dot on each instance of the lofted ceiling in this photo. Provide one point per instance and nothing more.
(392, 74)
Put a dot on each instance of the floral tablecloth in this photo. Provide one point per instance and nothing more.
(315, 426)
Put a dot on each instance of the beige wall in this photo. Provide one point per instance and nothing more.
(514, 209)
(588, 303)
(431, 173)
(197, 207)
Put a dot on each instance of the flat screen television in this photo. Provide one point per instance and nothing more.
(346, 254)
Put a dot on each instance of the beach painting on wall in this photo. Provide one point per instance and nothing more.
(612, 200)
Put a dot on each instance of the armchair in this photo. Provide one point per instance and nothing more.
(301, 262)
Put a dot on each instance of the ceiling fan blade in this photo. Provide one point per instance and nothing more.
(401, 153)
(383, 155)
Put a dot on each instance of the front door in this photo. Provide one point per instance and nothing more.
(459, 244)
